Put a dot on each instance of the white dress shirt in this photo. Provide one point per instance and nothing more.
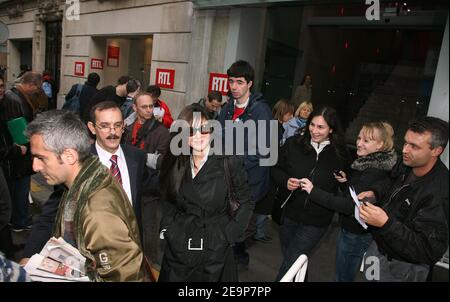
(201, 164)
(105, 158)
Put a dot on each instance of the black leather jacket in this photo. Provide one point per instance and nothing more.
(14, 105)
(417, 228)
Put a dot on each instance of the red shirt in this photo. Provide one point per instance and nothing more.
(237, 112)
(136, 128)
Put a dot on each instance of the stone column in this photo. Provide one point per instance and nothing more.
(439, 96)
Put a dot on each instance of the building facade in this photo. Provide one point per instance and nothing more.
(359, 64)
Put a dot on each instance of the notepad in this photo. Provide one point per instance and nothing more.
(16, 128)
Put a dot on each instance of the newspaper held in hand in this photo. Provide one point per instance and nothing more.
(57, 262)
(357, 205)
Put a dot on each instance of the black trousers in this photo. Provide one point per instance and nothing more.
(6, 243)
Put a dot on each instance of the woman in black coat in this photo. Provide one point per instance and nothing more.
(314, 155)
(376, 157)
(198, 224)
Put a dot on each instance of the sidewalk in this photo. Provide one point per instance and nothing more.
(265, 258)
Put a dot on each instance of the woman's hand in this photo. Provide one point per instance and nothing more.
(306, 185)
(23, 149)
(293, 184)
(340, 177)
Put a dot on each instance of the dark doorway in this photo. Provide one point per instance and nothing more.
(280, 70)
(282, 52)
(53, 50)
(25, 49)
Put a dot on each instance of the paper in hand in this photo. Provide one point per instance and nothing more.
(357, 205)
(158, 112)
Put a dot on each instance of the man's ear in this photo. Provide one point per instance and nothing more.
(436, 152)
(250, 85)
(91, 127)
(70, 156)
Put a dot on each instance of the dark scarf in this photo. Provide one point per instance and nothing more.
(383, 160)
(145, 130)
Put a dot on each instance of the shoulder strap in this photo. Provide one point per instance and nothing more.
(233, 203)
(144, 131)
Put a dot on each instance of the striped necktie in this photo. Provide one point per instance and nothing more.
(115, 168)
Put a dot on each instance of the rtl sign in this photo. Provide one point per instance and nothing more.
(96, 64)
(218, 82)
(165, 78)
(79, 69)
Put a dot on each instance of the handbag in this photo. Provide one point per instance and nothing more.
(233, 202)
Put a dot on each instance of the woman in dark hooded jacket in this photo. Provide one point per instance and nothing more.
(313, 155)
(198, 223)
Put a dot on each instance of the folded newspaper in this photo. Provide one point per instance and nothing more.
(57, 262)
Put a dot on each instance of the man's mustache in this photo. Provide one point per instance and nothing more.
(113, 136)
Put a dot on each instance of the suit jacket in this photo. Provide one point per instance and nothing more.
(136, 160)
(43, 227)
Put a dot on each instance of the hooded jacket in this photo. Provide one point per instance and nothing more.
(257, 110)
(295, 160)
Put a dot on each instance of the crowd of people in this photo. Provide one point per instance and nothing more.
(111, 154)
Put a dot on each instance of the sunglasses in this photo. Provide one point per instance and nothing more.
(203, 130)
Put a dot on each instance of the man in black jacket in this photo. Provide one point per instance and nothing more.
(88, 90)
(410, 227)
(18, 102)
(116, 94)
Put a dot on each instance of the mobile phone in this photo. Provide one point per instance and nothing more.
(337, 172)
(367, 200)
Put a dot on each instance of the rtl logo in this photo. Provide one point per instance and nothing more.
(218, 82)
(96, 64)
(79, 69)
(165, 78)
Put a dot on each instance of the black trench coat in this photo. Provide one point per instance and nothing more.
(199, 231)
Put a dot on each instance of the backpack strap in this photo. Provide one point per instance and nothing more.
(144, 131)
(79, 88)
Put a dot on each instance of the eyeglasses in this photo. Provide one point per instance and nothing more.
(146, 107)
(107, 127)
(204, 129)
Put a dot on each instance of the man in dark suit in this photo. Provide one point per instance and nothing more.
(106, 123)
(127, 164)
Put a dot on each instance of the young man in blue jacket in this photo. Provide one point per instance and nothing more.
(244, 105)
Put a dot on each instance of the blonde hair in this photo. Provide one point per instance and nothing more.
(385, 134)
(305, 104)
(281, 108)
